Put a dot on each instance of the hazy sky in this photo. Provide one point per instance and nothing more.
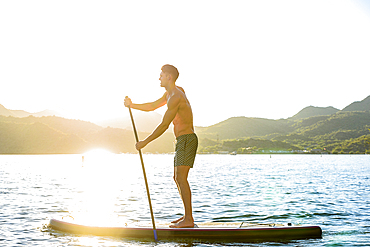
(260, 58)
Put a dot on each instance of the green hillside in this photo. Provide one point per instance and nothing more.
(343, 132)
(334, 133)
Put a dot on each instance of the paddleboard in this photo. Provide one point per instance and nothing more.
(236, 232)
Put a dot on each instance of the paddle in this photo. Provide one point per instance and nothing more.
(146, 182)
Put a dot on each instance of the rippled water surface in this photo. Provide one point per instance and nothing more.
(332, 191)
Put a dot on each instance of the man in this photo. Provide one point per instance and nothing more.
(178, 112)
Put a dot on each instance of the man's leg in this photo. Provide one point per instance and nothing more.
(178, 188)
(181, 179)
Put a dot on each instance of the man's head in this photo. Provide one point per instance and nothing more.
(170, 70)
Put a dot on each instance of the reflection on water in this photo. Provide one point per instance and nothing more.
(101, 188)
(108, 189)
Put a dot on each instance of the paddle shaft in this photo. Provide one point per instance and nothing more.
(146, 181)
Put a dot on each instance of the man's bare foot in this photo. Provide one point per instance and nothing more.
(183, 224)
(178, 220)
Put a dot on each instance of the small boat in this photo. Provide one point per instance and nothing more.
(235, 232)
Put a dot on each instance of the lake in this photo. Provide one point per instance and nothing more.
(332, 191)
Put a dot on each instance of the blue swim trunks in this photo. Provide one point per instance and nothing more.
(186, 149)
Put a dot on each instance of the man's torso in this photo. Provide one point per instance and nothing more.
(183, 121)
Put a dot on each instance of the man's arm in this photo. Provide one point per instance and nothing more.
(147, 106)
(173, 106)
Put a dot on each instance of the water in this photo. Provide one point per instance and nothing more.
(331, 191)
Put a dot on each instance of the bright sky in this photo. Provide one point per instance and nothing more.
(260, 58)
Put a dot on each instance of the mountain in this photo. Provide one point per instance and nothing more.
(346, 131)
(46, 113)
(335, 133)
(321, 128)
(242, 127)
(144, 121)
(343, 122)
(5, 112)
(56, 135)
(342, 132)
(363, 105)
(20, 113)
(312, 111)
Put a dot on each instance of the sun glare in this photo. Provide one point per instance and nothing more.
(102, 185)
(97, 152)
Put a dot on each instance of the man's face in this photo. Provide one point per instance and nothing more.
(163, 77)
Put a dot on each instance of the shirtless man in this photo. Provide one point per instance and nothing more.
(179, 112)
